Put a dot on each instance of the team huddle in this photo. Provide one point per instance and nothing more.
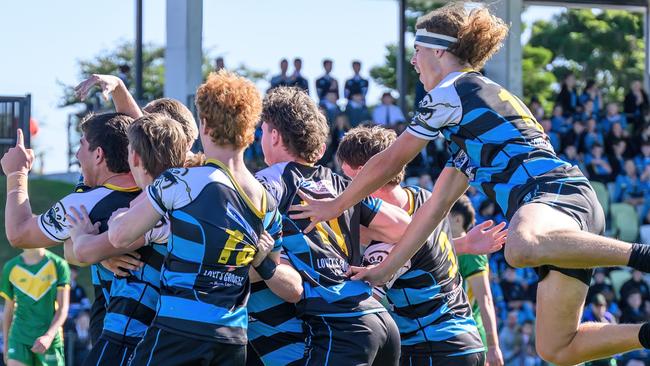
(198, 261)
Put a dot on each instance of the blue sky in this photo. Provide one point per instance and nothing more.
(47, 38)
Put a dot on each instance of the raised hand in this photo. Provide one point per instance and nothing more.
(18, 158)
(106, 83)
(485, 238)
(318, 210)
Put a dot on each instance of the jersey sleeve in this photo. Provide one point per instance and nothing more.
(6, 289)
(273, 225)
(53, 222)
(169, 191)
(470, 264)
(369, 207)
(62, 273)
(271, 179)
(440, 108)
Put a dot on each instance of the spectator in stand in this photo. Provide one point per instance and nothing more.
(488, 211)
(340, 128)
(636, 283)
(636, 105)
(387, 114)
(554, 137)
(612, 115)
(297, 79)
(78, 299)
(560, 123)
(356, 84)
(332, 110)
(634, 312)
(598, 165)
(536, 108)
(513, 291)
(508, 338)
(616, 133)
(643, 160)
(282, 79)
(592, 135)
(575, 136)
(124, 74)
(617, 156)
(356, 110)
(327, 83)
(568, 97)
(629, 188)
(219, 64)
(587, 112)
(81, 341)
(592, 93)
(602, 286)
(597, 312)
(528, 355)
(570, 155)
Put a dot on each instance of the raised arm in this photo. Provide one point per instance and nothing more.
(375, 173)
(21, 225)
(111, 85)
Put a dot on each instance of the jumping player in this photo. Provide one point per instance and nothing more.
(498, 147)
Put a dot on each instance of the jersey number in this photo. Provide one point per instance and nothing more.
(246, 253)
(335, 229)
(529, 120)
(451, 256)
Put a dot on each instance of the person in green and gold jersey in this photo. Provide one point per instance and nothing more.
(475, 272)
(36, 289)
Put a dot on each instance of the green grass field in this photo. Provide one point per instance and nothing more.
(42, 194)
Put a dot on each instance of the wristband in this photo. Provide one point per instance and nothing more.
(17, 172)
(266, 269)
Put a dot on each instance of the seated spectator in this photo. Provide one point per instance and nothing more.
(597, 312)
(488, 211)
(297, 79)
(592, 135)
(636, 283)
(587, 112)
(617, 156)
(598, 165)
(575, 136)
(536, 108)
(281, 79)
(332, 110)
(570, 155)
(356, 110)
(513, 291)
(219, 64)
(612, 116)
(554, 137)
(643, 160)
(327, 83)
(387, 114)
(528, 355)
(638, 139)
(81, 343)
(616, 132)
(508, 338)
(601, 285)
(629, 188)
(340, 128)
(591, 93)
(356, 84)
(560, 124)
(634, 312)
(636, 105)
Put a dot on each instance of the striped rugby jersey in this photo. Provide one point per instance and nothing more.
(493, 138)
(214, 234)
(323, 255)
(428, 302)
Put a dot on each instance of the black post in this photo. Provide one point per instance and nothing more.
(138, 50)
(401, 55)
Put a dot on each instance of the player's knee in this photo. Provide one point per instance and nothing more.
(554, 355)
(520, 248)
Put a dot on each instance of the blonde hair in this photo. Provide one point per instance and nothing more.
(177, 111)
(480, 34)
(230, 107)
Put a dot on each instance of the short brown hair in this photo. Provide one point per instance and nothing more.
(362, 143)
(464, 208)
(295, 115)
(108, 131)
(159, 141)
(230, 107)
(177, 111)
(480, 34)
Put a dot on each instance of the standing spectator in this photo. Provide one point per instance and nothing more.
(634, 311)
(356, 110)
(36, 289)
(598, 165)
(636, 105)
(340, 128)
(636, 283)
(597, 312)
(124, 74)
(612, 115)
(568, 97)
(591, 93)
(332, 110)
(81, 343)
(297, 79)
(219, 64)
(327, 83)
(387, 114)
(356, 84)
(282, 79)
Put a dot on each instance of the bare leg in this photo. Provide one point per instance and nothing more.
(540, 234)
(561, 339)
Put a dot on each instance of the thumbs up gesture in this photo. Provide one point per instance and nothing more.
(18, 158)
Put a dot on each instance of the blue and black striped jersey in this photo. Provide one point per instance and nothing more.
(428, 302)
(323, 256)
(493, 138)
(100, 202)
(133, 299)
(214, 234)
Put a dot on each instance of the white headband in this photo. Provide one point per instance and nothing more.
(433, 40)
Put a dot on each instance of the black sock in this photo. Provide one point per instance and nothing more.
(644, 335)
(640, 257)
